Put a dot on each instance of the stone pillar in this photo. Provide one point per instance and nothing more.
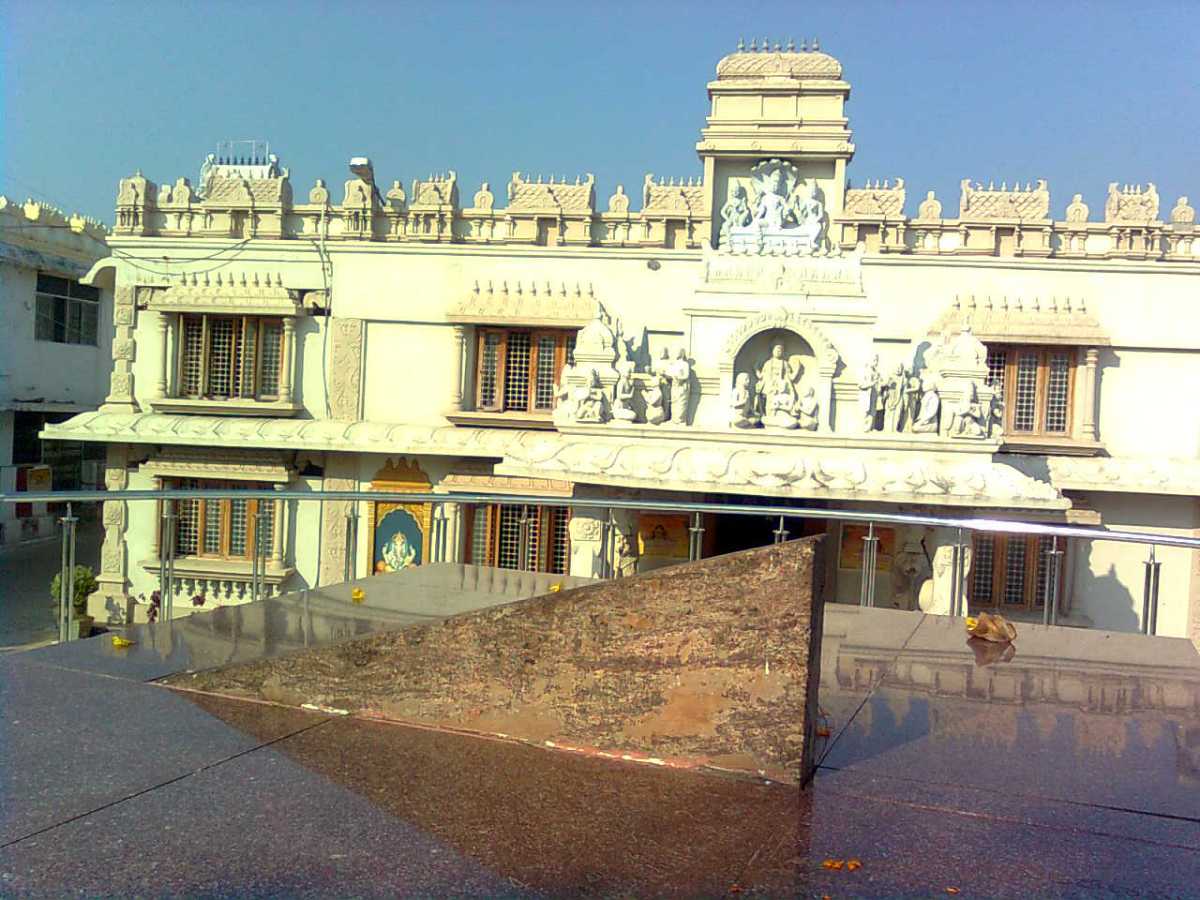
(1088, 424)
(111, 580)
(460, 359)
(289, 359)
(156, 531)
(162, 326)
(120, 394)
(276, 553)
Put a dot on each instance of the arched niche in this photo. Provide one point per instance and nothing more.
(750, 345)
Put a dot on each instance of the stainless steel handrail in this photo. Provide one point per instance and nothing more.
(999, 526)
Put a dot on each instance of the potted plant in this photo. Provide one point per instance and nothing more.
(85, 586)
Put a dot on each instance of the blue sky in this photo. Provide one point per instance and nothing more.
(1078, 93)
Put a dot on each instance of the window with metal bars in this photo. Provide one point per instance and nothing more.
(221, 529)
(1036, 384)
(494, 537)
(229, 357)
(67, 312)
(1010, 571)
(517, 368)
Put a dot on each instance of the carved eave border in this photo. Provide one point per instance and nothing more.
(1179, 477)
(1058, 325)
(231, 467)
(479, 483)
(542, 309)
(232, 300)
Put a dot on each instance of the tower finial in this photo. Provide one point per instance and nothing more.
(816, 45)
(791, 45)
(741, 45)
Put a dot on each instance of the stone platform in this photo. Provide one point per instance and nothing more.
(1070, 770)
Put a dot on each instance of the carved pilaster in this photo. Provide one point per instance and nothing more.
(289, 359)
(120, 394)
(345, 389)
(277, 533)
(161, 325)
(111, 578)
(460, 358)
(339, 476)
(1091, 368)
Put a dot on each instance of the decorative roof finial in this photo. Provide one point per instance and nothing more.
(816, 45)
(803, 46)
(753, 45)
(766, 45)
(741, 45)
(776, 48)
(791, 46)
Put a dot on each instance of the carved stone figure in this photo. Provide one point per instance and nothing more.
(809, 213)
(1077, 210)
(741, 409)
(970, 419)
(928, 414)
(893, 400)
(777, 382)
(912, 401)
(622, 407)
(772, 202)
(619, 202)
(909, 570)
(564, 403)
(1182, 213)
(930, 208)
(680, 373)
(655, 399)
(869, 383)
(808, 410)
(591, 401)
(319, 194)
(484, 199)
(736, 211)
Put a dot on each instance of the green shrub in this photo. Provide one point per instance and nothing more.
(85, 585)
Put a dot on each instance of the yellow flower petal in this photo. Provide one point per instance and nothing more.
(556, 587)
(121, 643)
(357, 595)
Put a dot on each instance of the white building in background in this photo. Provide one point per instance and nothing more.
(762, 331)
(55, 355)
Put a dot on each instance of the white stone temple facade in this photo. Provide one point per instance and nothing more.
(764, 332)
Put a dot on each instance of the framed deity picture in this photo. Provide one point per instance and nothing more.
(851, 552)
(663, 537)
(399, 539)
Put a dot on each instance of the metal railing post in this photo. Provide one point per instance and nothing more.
(66, 589)
(870, 551)
(1050, 593)
(523, 540)
(781, 533)
(696, 535)
(957, 576)
(166, 567)
(260, 552)
(1150, 594)
(351, 542)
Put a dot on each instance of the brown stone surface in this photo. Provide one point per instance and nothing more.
(706, 660)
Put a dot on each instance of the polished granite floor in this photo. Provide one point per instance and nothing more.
(1072, 769)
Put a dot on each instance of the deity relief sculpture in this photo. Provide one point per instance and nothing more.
(622, 406)
(619, 202)
(786, 216)
(970, 419)
(484, 199)
(735, 213)
(869, 394)
(1182, 213)
(564, 402)
(1077, 210)
(679, 371)
(319, 195)
(893, 400)
(591, 401)
(808, 411)
(777, 394)
(742, 407)
(655, 400)
(930, 208)
(928, 417)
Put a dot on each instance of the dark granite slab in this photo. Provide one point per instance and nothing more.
(258, 825)
(71, 742)
(294, 622)
(1084, 717)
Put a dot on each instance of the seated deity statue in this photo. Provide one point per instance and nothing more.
(741, 412)
(970, 420)
(655, 413)
(807, 411)
(777, 381)
(622, 407)
(772, 205)
(927, 415)
(564, 403)
(736, 211)
(591, 401)
(809, 213)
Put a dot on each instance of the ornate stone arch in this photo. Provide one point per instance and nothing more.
(782, 318)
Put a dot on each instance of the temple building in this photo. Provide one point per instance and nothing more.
(764, 332)
(55, 347)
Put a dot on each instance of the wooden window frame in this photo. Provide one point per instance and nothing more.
(563, 338)
(544, 551)
(1041, 397)
(226, 515)
(238, 343)
(1033, 553)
